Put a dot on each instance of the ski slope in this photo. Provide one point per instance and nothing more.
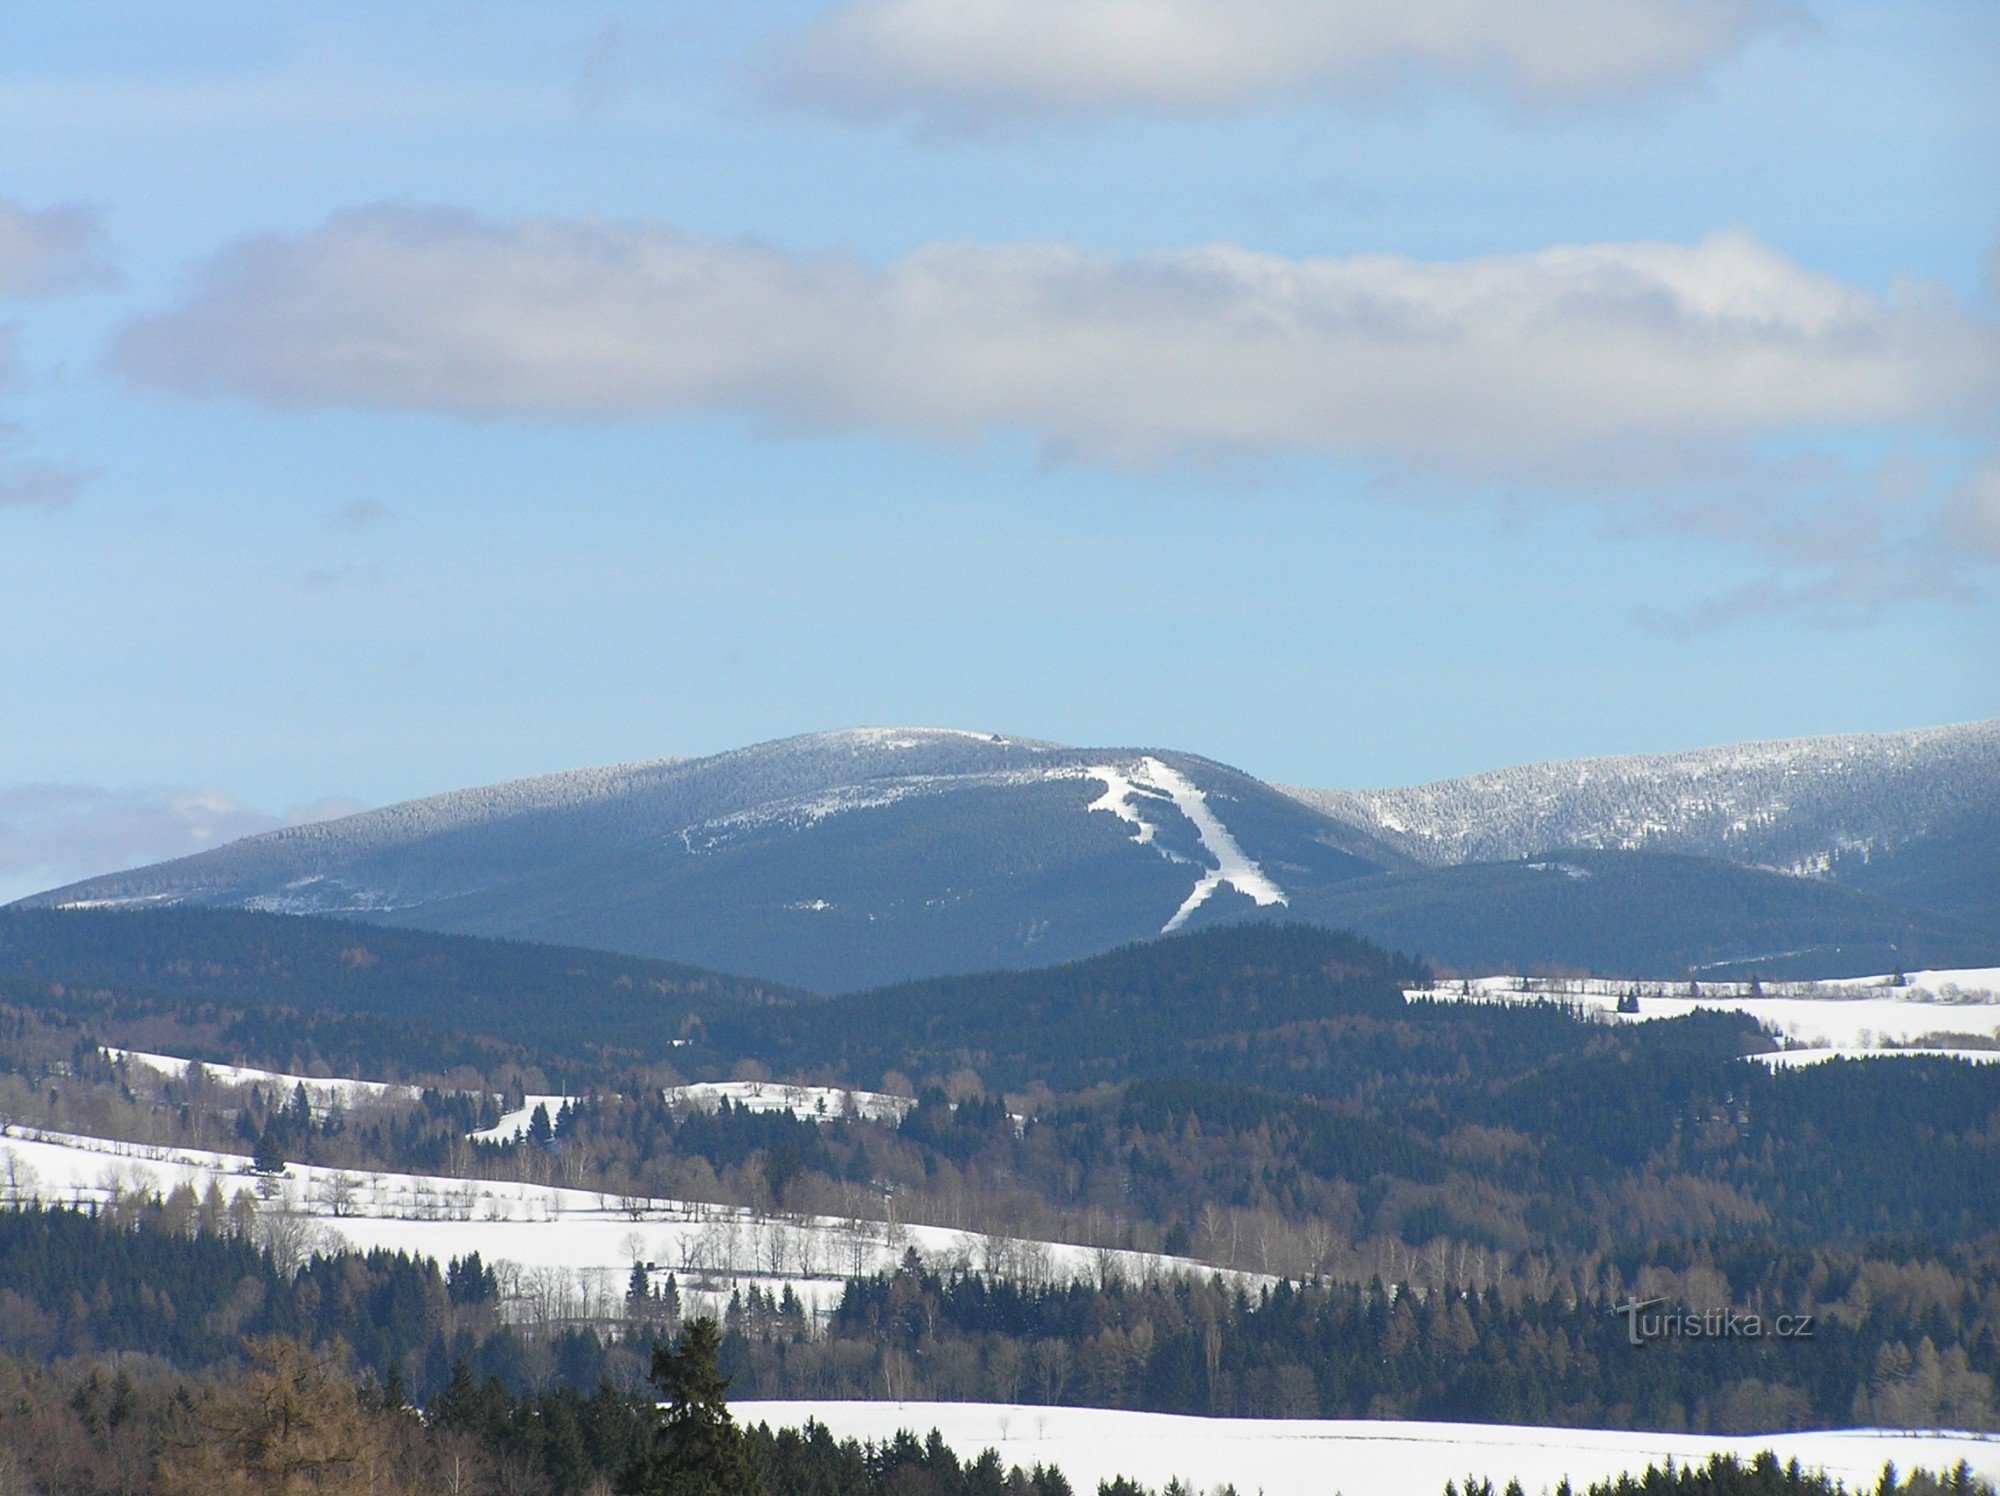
(1150, 778)
(1856, 1017)
(1354, 1458)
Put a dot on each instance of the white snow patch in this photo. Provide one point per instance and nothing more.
(808, 1103)
(513, 1124)
(321, 1091)
(1311, 1457)
(1792, 1059)
(1862, 1014)
(1117, 798)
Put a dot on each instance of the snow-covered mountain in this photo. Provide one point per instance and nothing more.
(849, 859)
(835, 861)
(1914, 815)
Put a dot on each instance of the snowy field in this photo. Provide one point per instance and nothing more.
(1319, 1458)
(1853, 1017)
(566, 1253)
(808, 1103)
(330, 1091)
(321, 1091)
(1792, 1059)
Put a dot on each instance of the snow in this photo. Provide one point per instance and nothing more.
(552, 1241)
(1282, 1457)
(1790, 804)
(514, 1123)
(1947, 986)
(808, 1103)
(1862, 1015)
(1792, 1059)
(1117, 799)
(321, 1091)
(329, 1091)
(1233, 867)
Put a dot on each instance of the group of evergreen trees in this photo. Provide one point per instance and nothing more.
(1894, 1346)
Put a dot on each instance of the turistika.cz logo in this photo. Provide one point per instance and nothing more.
(1646, 1321)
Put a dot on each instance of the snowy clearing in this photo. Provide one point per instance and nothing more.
(513, 1124)
(1862, 1015)
(1354, 1458)
(321, 1091)
(1792, 1059)
(808, 1103)
(571, 1247)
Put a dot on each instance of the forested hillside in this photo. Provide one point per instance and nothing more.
(1652, 914)
(362, 999)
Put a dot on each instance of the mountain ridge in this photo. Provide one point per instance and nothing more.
(845, 860)
(1838, 807)
(831, 861)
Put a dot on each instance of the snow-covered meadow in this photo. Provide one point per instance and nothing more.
(1867, 1015)
(560, 1253)
(322, 1091)
(1286, 1457)
(808, 1103)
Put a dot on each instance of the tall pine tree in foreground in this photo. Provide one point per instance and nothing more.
(697, 1449)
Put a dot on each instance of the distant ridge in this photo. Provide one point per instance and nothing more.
(1903, 814)
(832, 861)
(844, 860)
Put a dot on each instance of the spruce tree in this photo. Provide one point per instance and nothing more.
(697, 1449)
(540, 1132)
(270, 1158)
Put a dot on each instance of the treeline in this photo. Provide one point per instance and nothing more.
(290, 1419)
(1725, 1475)
(1914, 1345)
(184, 1281)
(1912, 1341)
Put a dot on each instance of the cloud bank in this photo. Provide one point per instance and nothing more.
(47, 251)
(1556, 364)
(969, 63)
(52, 834)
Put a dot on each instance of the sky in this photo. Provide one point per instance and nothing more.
(396, 398)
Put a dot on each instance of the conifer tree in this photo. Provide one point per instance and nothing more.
(270, 1158)
(697, 1449)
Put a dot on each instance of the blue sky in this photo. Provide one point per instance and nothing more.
(406, 397)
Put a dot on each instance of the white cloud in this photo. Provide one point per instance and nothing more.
(967, 63)
(45, 251)
(1572, 363)
(52, 834)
